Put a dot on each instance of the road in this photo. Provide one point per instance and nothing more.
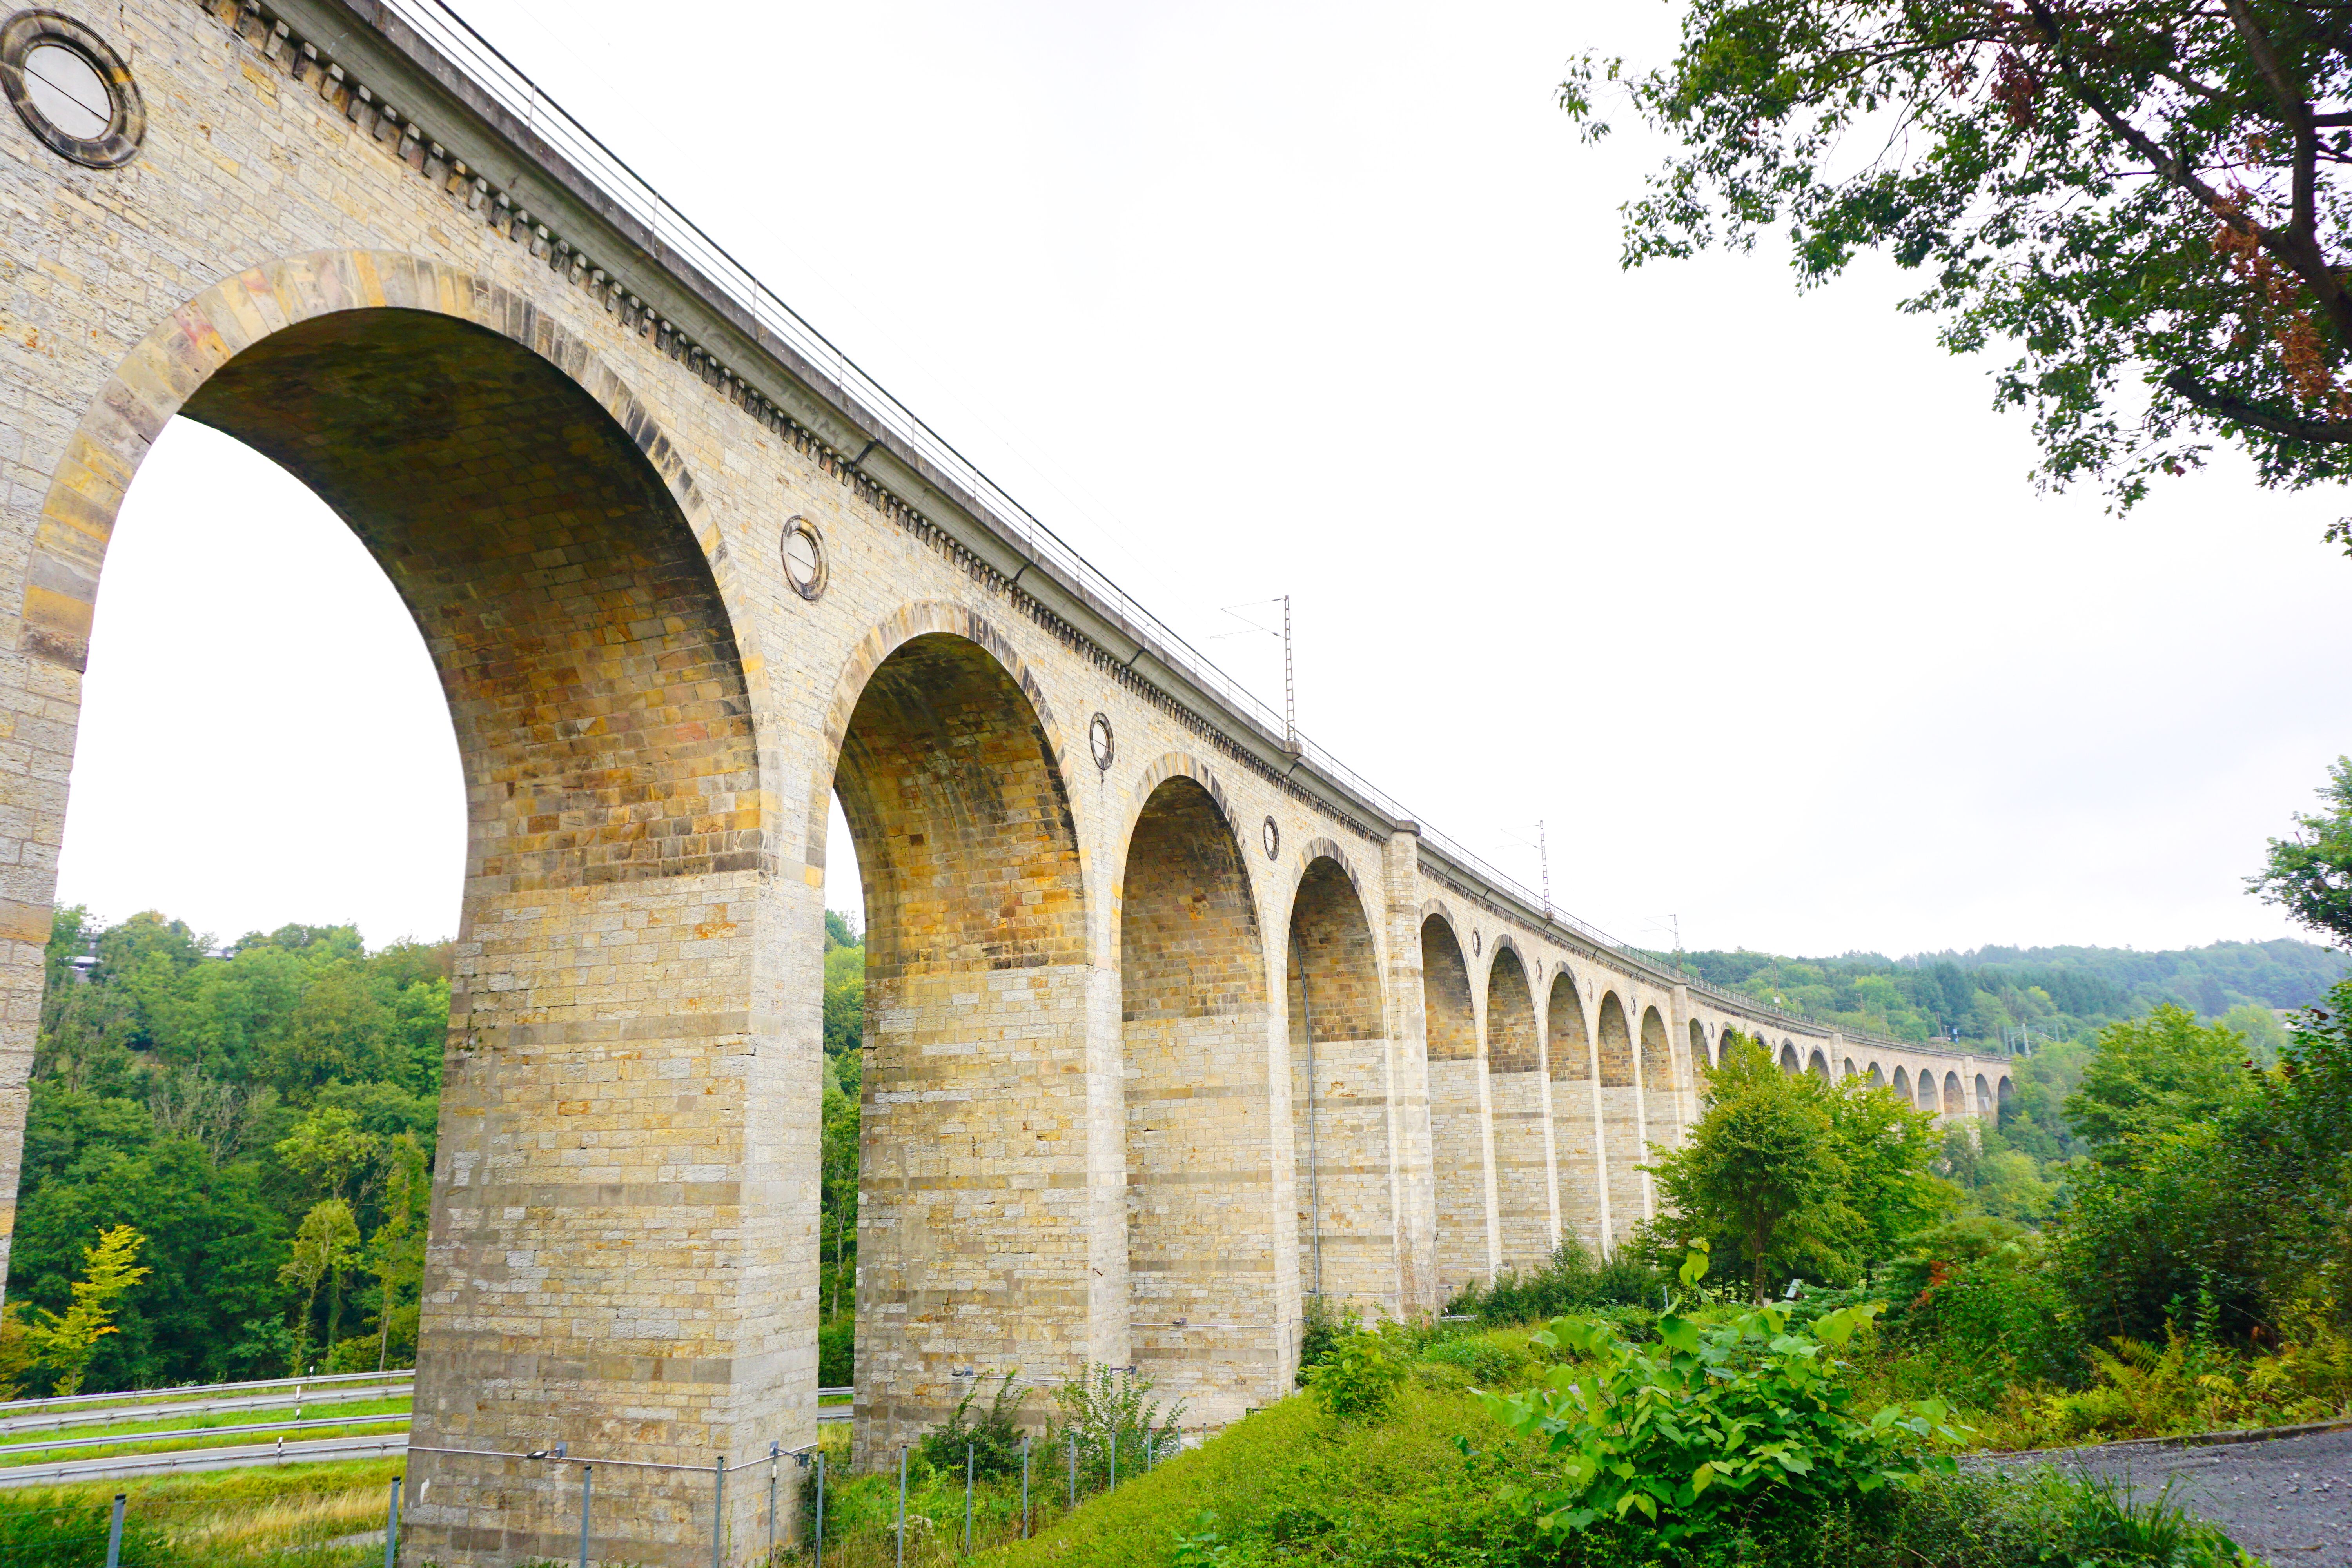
(2288, 1499)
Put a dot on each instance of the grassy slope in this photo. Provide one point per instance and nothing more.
(1398, 1490)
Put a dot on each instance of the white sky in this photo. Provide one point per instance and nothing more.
(1747, 595)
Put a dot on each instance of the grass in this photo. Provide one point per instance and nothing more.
(282, 1517)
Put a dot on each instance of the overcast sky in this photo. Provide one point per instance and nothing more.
(1747, 595)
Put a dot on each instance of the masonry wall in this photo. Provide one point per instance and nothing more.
(1461, 1120)
(1340, 1096)
(1576, 1115)
(1527, 1198)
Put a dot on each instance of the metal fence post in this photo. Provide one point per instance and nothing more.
(717, 1509)
(969, 1448)
(820, 1507)
(1074, 1469)
(1024, 1488)
(587, 1485)
(775, 1458)
(902, 1507)
(391, 1525)
(114, 1535)
(1114, 1458)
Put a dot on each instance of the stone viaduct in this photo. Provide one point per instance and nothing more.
(1173, 1022)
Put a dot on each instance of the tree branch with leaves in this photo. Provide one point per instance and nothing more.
(2143, 200)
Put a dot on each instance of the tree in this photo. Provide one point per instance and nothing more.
(397, 1251)
(326, 1149)
(327, 1244)
(64, 1343)
(839, 1192)
(1762, 1163)
(2129, 191)
(2154, 1075)
(2311, 873)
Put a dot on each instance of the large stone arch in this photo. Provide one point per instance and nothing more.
(920, 618)
(1202, 1232)
(1902, 1084)
(1955, 1099)
(1576, 1111)
(1526, 1205)
(1460, 1125)
(1659, 1085)
(1339, 1088)
(1620, 1118)
(586, 622)
(1818, 1064)
(973, 1233)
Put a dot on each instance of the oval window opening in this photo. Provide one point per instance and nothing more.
(69, 92)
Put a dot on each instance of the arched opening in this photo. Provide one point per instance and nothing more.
(1788, 1063)
(615, 824)
(1876, 1078)
(975, 1120)
(1200, 1233)
(1699, 1063)
(1525, 1206)
(1621, 1121)
(1926, 1084)
(1954, 1101)
(1338, 1099)
(1659, 1087)
(1576, 1132)
(2005, 1096)
(1849, 1070)
(1903, 1085)
(1818, 1064)
(1983, 1106)
(1468, 1246)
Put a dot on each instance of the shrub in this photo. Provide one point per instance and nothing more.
(1109, 1411)
(1358, 1380)
(836, 1352)
(1716, 1425)
(1570, 1281)
(1486, 1361)
(1321, 1330)
(994, 1441)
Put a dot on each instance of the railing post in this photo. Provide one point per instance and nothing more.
(717, 1509)
(1074, 1469)
(391, 1525)
(775, 1458)
(968, 1450)
(587, 1486)
(902, 1507)
(1024, 1488)
(820, 1507)
(114, 1535)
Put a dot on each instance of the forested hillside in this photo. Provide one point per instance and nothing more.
(264, 1118)
(1997, 993)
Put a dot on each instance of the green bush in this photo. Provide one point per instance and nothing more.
(1488, 1364)
(836, 1352)
(1716, 1426)
(1571, 1281)
(992, 1440)
(2041, 1519)
(1321, 1330)
(1358, 1380)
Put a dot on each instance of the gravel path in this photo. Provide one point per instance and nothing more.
(2288, 1499)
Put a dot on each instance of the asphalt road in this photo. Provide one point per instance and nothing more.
(2288, 1499)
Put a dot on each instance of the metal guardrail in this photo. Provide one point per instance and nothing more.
(506, 83)
(150, 1395)
(113, 1414)
(310, 1452)
(124, 1439)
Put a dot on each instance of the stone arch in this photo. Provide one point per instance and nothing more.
(1818, 1064)
(1699, 1062)
(1526, 1206)
(1200, 1229)
(1955, 1099)
(1339, 1099)
(977, 977)
(2004, 1097)
(1849, 1070)
(1658, 1083)
(1460, 1132)
(1876, 1078)
(1903, 1083)
(583, 617)
(1983, 1106)
(923, 618)
(1928, 1099)
(1620, 1118)
(1576, 1141)
(1788, 1062)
